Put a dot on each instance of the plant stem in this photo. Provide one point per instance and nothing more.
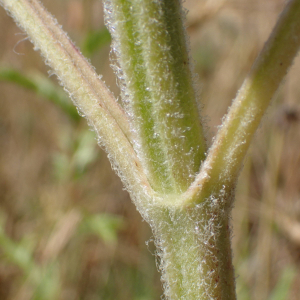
(158, 152)
(89, 93)
(212, 192)
(195, 252)
(158, 88)
(226, 156)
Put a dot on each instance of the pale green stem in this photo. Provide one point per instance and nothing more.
(151, 48)
(87, 71)
(89, 93)
(226, 156)
(191, 230)
(195, 252)
(184, 251)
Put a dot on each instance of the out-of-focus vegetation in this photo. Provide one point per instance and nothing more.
(69, 231)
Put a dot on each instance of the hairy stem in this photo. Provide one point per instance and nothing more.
(89, 93)
(195, 251)
(150, 42)
(158, 150)
(226, 156)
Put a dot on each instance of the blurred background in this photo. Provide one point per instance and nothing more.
(69, 231)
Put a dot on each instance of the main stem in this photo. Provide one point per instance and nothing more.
(191, 229)
(194, 250)
(158, 90)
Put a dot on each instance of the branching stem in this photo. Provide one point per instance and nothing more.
(158, 145)
(225, 157)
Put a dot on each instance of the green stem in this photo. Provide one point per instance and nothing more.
(151, 49)
(195, 252)
(226, 156)
(88, 92)
(191, 229)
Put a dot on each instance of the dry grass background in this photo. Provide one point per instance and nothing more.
(69, 231)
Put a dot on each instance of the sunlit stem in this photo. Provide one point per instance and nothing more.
(89, 93)
(226, 156)
(150, 44)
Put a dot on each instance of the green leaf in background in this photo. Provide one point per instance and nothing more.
(12, 75)
(282, 289)
(95, 40)
(19, 253)
(48, 286)
(44, 87)
(86, 151)
(61, 166)
(74, 156)
(44, 280)
(105, 226)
